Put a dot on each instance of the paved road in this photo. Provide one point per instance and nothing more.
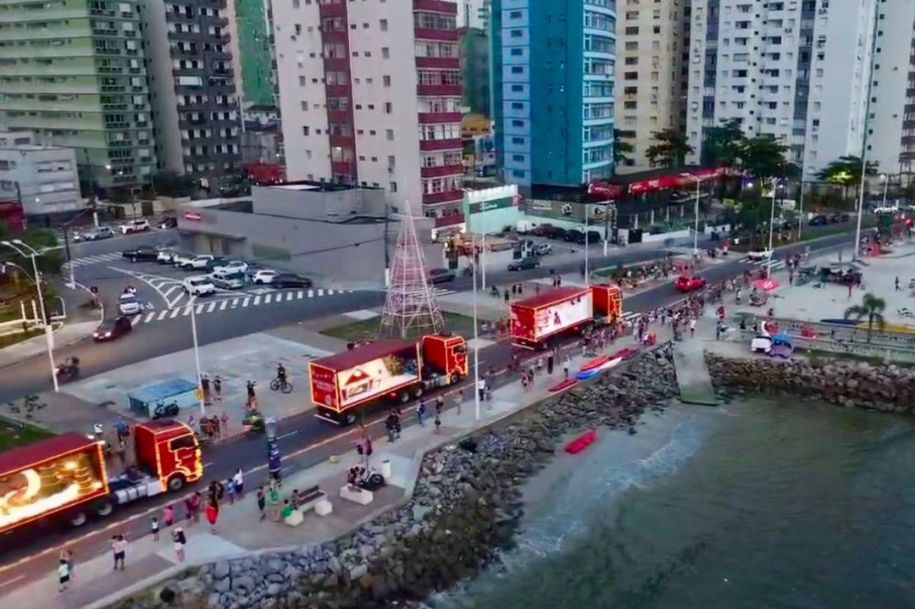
(304, 440)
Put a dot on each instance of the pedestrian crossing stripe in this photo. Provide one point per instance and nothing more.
(238, 302)
(776, 264)
(96, 259)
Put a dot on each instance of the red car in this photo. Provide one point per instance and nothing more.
(688, 284)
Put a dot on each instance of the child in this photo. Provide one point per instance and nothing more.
(154, 527)
(179, 540)
(230, 491)
(63, 575)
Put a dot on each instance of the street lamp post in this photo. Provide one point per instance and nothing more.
(587, 243)
(476, 341)
(771, 227)
(800, 208)
(193, 305)
(886, 183)
(15, 245)
(696, 211)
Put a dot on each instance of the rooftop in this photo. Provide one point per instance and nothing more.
(364, 354)
(552, 296)
(14, 460)
(325, 186)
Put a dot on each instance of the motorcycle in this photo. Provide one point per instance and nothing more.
(68, 371)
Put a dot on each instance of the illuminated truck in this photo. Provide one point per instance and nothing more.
(66, 476)
(342, 384)
(561, 311)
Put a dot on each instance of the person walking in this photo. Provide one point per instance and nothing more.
(238, 481)
(420, 412)
(63, 575)
(897, 283)
(230, 490)
(179, 540)
(205, 386)
(565, 366)
(261, 502)
(438, 423)
(212, 512)
(389, 427)
(458, 400)
(154, 528)
(481, 388)
(119, 551)
(549, 364)
(692, 326)
(67, 555)
(273, 502)
(217, 388)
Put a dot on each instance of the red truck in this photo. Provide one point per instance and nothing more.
(341, 384)
(66, 476)
(563, 310)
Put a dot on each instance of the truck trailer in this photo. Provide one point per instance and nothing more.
(342, 384)
(561, 311)
(67, 477)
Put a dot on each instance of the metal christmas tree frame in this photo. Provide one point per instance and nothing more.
(410, 303)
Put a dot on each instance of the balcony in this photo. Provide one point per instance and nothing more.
(449, 220)
(326, 9)
(346, 142)
(439, 90)
(440, 198)
(344, 168)
(445, 63)
(338, 117)
(422, 33)
(440, 117)
(438, 172)
(435, 6)
(433, 145)
(338, 90)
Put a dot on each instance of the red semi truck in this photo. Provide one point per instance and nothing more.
(66, 476)
(343, 383)
(563, 310)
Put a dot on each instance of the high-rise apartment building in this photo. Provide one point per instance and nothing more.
(795, 69)
(72, 72)
(42, 178)
(472, 13)
(370, 94)
(649, 41)
(253, 31)
(553, 80)
(195, 104)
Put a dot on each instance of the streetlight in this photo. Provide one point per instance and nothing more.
(587, 243)
(886, 183)
(201, 397)
(696, 224)
(475, 259)
(20, 248)
(771, 227)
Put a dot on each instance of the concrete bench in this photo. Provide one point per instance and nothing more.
(356, 495)
(309, 498)
(294, 519)
(324, 507)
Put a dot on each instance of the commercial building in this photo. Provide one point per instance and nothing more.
(43, 178)
(370, 94)
(795, 70)
(649, 92)
(553, 90)
(72, 72)
(195, 106)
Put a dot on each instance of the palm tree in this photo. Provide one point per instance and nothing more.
(845, 172)
(872, 308)
(621, 149)
(670, 149)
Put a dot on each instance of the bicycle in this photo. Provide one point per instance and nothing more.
(281, 385)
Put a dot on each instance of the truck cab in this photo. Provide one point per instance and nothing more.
(169, 452)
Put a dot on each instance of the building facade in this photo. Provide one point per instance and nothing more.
(648, 75)
(370, 94)
(473, 14)
(72, 72)
(553, 90)
(253, 31)
(194, 98)
(474, 57)
(43, 178)
(795, 70)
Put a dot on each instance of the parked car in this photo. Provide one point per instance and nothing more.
(134, 226)
(439, 276)
(531, 262)
(836, 218)
(168, 222)
(165, 256)
(290, 280)
(886, 209)
(541, 249)
(110, 329)
(574, 236)
(180, 259)
(228, 280)
(231, 266)
(128, 304)
(199, 285)
(757, 255)
(144, 252)
(198, 263)
(94, 234)
(543, 230)
(818, 220)
(263, 276)
(215, 262)
(688, 283)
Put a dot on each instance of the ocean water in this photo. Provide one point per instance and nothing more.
(759, 505)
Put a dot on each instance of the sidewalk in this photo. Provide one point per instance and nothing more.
(68, 334)
(240, 529)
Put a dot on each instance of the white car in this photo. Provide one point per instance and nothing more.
(94, 234)
(128, 304)
(231, 267)
(888, 209)
(198, 262)
(228, 280)
(759, 254)
(166, 256)
(134, 226)
(199, 285)
(263, 276)
(182, 259)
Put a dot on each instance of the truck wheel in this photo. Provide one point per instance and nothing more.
(404, 397)
(175, 483)
(455, 378)
(78, 519)
(104, 508)
(418, 392)
(347, 419)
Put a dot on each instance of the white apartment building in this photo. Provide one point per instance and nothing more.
(472, 13)
(649, 87)
(795, 69)
(43, 178)
(370, 94)
(891, 130)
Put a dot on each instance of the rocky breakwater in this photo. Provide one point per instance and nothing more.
(886, 388)
(465, 508)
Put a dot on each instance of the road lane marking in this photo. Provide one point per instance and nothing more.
(320, 291)
(199, 310)
(149, 317)
(299, 294)
(289, 296)
(11, 581)
(267, 298)
(187, 310)
(288, 434)
(257, 300)
(224, 304)
(311, 293)
(162, 315)
(174, 313)
(211, 308)
(245, 302)
(330, 292)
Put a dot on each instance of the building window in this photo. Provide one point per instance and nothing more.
(393, 186)
(385, 52)
(304, 130)
(384, 25)
(388, 107)
(389, 133)
(386, 80)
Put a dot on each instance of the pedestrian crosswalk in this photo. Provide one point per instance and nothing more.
(208, 305)
(761, 263)
(97, 259)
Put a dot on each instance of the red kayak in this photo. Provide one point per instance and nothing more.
(625, 353)
(582, 442)
(566, 384)
(597, 362)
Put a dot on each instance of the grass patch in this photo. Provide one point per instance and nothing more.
(368, 329)
(13, 434)
(747, 245)
(11, 339)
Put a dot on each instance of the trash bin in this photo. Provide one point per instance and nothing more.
(386, 468)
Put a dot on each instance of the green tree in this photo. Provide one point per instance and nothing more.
(669, 149)
(621, 149)
(871, 308)
(763, 157)
(724, 144)
(845, 172)
(172, 184)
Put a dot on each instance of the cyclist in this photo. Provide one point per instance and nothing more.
(281, 374)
